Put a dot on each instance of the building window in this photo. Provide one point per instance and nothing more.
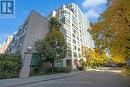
(26, 25)
(67, 27)
(68, 39)
(67, 20)
(78, 44)
(79, 55)
(78, 49)
(80, 31)
(73, 35)
(74, 41)
(65, 12)
(69, 45)
(74, 31)
(69, 54)
(74, 47)
(68, 33)
(81, 40)
(75, 54)
(74, 26)
(78, 38)
(62, 20)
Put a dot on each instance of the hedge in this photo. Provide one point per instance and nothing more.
(9, 65)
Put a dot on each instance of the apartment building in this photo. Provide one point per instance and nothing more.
(5, 45)
(75, 27)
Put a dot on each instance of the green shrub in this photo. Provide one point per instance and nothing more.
(81, 68)
(34, 70)
(9, 65)
(60, 70)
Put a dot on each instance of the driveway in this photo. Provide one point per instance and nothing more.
(91, 78)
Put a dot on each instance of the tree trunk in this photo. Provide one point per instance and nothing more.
(53, 66)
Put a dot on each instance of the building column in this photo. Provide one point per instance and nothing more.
(25, 69)
(64, 62)
(73, 65)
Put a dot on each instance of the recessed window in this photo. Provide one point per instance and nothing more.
(78, 49)
(73, 35)
(78, 38)
(69, 53)
(75, 54)
(74, 41)
(74, 47)
(68, 38)
(81, 40)
(68, 33)
(68, 45)
(79, 55)
(74, 31)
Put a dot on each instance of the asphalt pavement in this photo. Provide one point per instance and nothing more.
(91, 78)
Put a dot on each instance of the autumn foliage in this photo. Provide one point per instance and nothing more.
(112, 31)
(94, 57)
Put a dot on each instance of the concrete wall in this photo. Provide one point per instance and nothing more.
(38, 27)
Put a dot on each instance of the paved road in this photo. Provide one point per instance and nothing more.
(85, 79)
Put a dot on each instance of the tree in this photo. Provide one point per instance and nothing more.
(54, 24)
(112, 31)
(94, 57)
(53, 46)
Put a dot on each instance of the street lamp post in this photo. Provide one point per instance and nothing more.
(25, 69)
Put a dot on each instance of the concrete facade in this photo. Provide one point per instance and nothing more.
(34, 28)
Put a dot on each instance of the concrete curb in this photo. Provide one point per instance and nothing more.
(33, 82)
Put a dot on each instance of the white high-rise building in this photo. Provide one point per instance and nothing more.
(75, 27)
(5, 45)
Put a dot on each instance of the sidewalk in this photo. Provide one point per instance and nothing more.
(18, 82)
(107, 69)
